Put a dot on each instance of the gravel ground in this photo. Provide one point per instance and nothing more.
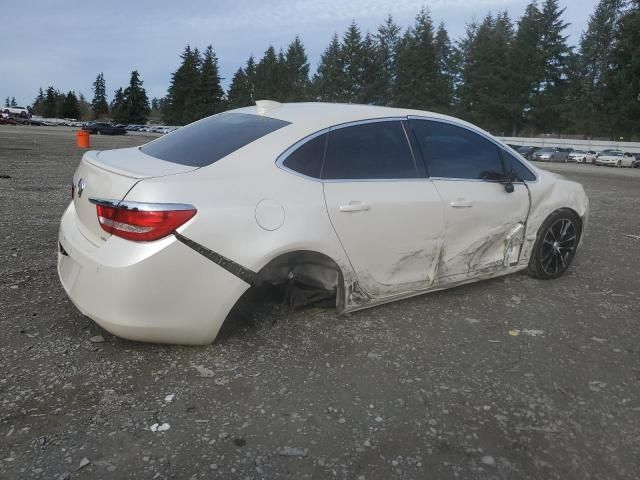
(438, 386)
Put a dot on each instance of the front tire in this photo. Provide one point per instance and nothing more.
(619, 164)
(556, 245)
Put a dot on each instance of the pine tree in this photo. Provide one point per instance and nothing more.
(297, 72)
(70, 107)
(416, 66)
(118, 107)
(239, 94)
(624, 76)
(183, 90)
(210, 94)
(270, 76)
(329, 80)
(50, 104)
(352, 53)
(135, 102)
(523, 63)
(84, 108)
(485, 89)
(373, 80)
(99, 103)
(7, 102)
(446, 71)
(14, 103)
(592, 109)
(387, 37)
(38, 102)
(550, 94)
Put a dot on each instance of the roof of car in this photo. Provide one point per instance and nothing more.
(317, 115)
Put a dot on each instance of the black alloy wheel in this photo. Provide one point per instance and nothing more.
(556, 245)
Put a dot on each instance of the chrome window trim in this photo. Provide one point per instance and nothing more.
(140, 206)
(477, 132)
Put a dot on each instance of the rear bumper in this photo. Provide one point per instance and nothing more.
(153, 292)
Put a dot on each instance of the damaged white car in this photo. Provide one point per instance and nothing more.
(364, 204)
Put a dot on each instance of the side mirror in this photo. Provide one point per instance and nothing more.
(508, 182)
(508, 187)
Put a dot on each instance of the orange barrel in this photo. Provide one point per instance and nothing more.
(83, 139)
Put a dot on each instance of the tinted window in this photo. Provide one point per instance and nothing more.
(369, 151)
(521, 173)
(207, 141)
(456, 152)
(307, 159)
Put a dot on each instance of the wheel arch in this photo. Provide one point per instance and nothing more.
(309, 267)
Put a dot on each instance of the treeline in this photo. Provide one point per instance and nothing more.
(510, 77)
(53, 103)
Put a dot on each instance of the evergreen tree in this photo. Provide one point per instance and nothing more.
(38, 102)
(551, 91)
(373, 80)
(70, 106)
(210, 94)
(485, 89)
(624, 76)
(50, 104)
(14, 103)
(387, 37)
(118, 107)
(135, 102)
(270, 76)
(329, 80)
(352, 53)
(416, 66)
(99, 102)
(297, 72)
(183, 90)
(591, 107)
(7, 102)
(239, 94)
(524, 63)
(446, 66)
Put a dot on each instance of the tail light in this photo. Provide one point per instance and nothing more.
(141, 222)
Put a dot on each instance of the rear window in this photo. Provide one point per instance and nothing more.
(207, 141)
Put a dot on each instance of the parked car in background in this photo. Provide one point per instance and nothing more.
(551, 154)
(19, 111)
(582, 156)
(358, 204)
(103, 129)
(527, 151)
(616, 158)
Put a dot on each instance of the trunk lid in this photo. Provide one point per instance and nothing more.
(109, 175)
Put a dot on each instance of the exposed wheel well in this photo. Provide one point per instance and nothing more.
(309, 269)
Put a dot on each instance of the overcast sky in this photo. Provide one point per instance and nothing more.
(65, 43)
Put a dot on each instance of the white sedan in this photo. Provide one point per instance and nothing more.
(615, 158)
(364, 204)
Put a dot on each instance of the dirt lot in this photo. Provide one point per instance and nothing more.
(432, 387)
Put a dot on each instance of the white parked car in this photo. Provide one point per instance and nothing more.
(20, 111)
(364, 204)
(615, 158)
(582, 156)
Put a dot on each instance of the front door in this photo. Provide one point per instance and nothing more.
(387, 215)
(484, 223)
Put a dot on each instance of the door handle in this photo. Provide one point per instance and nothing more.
(355, 207)
(461, 204)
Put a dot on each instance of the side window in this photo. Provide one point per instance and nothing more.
(456, 152)
(376, 150)
(307, 159)
(521, 173)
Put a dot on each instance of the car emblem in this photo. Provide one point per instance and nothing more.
(80, 187)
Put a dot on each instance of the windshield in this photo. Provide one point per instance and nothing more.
(207, 141)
